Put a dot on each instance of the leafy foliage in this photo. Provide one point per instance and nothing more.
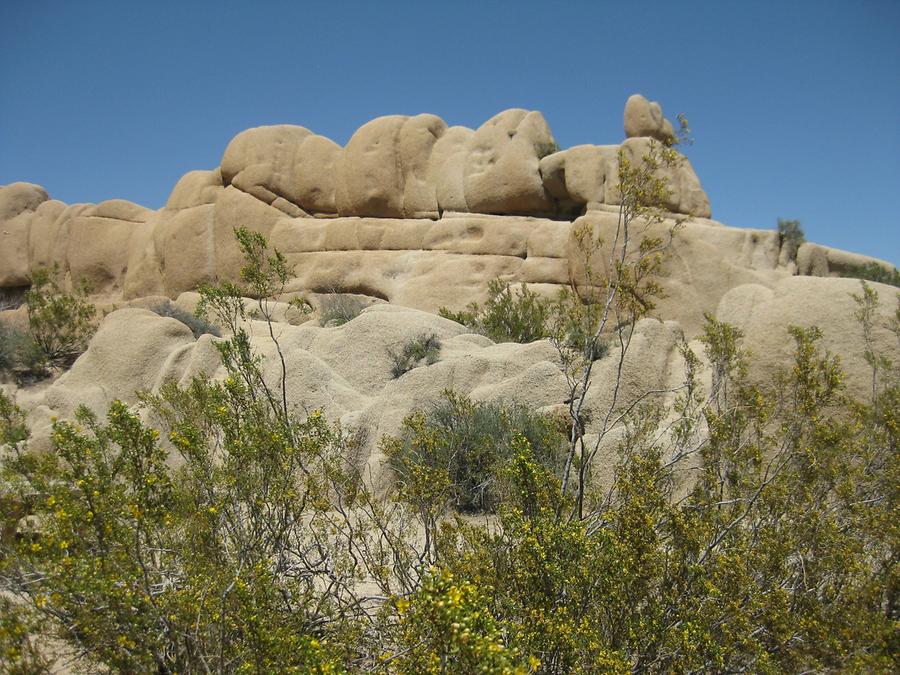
(337, 309)
(61, 323)
(456, 450)
(20, 357)
(872, 271)
(507, 315)
(791, 234)
(425, 348)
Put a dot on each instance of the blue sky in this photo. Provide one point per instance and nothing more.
(795, 106)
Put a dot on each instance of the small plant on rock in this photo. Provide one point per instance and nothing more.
(413, 353)
(197, 325)
(791, 234)
(872, 271)
(337, 309)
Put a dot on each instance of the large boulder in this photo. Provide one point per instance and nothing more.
(502, 173)
(126, 356)
(184, 243)
(383, 171)
(645, 118)
(685, 194)
(701, 261)
(18, 203)
(764, 315)
(584, 175)
(100, 243)
(446, 168)
(195, 188)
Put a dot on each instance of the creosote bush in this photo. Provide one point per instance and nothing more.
(872, 271)
(508, 315)
(414, 352)
(61, 323)
(791, 233)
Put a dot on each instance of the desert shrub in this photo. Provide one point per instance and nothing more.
(20, 356)
(872, 271)
(413, 352)
(507, 316)
(197, 325)
(61, 323)
(791, 233)
(19, 653)
(464, 445)
(544, 149)
(338, 309)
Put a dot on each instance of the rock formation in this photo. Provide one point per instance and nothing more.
(420, 215)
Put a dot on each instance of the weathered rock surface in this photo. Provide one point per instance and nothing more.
(645, 118)
(413, 215)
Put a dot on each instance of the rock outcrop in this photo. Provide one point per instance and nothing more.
(287, 179)
(418, 215)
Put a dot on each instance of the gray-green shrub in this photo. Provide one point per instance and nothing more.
(872, 271)
(507, 315)
(413, 352)
(338, 309)
(473, 442)
(197, 325)
(61, 323)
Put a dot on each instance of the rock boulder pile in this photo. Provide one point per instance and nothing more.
(415, 215)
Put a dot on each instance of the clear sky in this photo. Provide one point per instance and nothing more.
(794, 105)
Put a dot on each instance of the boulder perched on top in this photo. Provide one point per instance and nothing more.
(645, 118)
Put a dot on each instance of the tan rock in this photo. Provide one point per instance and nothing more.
(417, 139)
(369, 172)
(184, 242)
(49, 232)
(804, 301)
(812, 260)
(195, 188)
(18, 203)
(16, 198)
(446, 168)
(384, 168)
(502, 172)
(263, 162)
(316, 174)
(644, 118)
(234, 209)
(124, 357)
(143, 275)
(685, 194)
(99, 243)
(703, 261)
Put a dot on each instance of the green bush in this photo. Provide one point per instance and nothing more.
(20, 357)
(872, 271)
(61, 323)
(466, 444)
(413, 352)
(791, 233)
(544, 149)
(507, 316)
(197, 325)
(338, 309)
(745, 527)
